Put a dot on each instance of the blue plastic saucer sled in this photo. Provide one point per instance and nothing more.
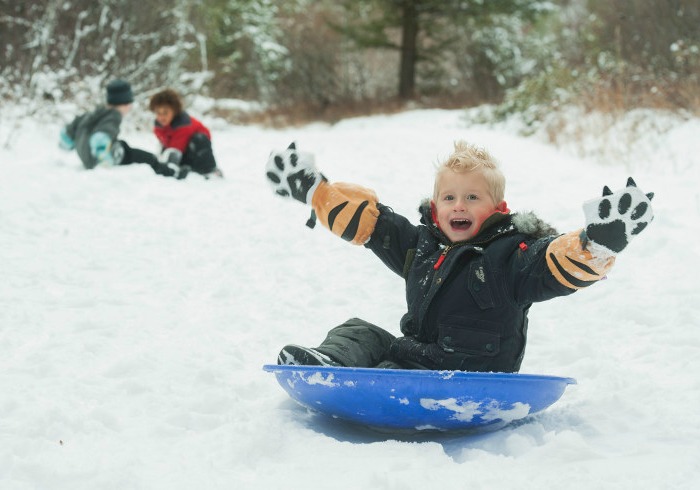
(416, 400)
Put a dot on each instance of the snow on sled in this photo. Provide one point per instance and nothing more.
(417, 400)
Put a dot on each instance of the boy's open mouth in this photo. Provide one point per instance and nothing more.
(460, 224)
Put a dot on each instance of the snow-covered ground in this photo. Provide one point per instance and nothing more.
(136, 313)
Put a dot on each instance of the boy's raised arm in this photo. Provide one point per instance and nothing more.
(580, 258)
(348, 210)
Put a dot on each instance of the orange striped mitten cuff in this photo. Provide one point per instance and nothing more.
(574, 267)
(348, 210)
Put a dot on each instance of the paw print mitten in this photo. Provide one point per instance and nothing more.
(614, 219)
(581, 258)
(292, 173)
(348, 210)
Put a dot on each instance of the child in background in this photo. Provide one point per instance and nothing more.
(472, 268)
(185, 140)
(94, 134)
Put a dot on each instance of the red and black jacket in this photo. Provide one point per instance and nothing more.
(179, 132)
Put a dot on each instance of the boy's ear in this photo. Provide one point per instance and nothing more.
(502, 207)
(433, 212)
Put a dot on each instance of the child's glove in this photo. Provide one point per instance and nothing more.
(170, 156)
(169, 164)
(613, 220)
(171, 170)
(65, 142)
(292, 173)
(100, 148)
(348, 210)
(409, 349)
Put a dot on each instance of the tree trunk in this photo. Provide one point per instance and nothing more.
(409, 36)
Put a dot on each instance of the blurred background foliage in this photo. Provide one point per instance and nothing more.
(326, 59)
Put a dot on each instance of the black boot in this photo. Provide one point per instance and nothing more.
(296, 355)
(355, 343)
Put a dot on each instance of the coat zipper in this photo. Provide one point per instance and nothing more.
(441, 259)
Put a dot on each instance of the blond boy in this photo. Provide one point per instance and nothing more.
(472, 268)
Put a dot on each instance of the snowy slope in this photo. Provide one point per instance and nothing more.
(136, 313)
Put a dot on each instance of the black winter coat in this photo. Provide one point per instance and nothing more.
(470, 311)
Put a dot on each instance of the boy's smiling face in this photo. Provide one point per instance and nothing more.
(462, 204)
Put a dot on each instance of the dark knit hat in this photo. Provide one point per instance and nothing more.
(119, 93)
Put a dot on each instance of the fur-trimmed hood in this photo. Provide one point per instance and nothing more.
(529, 223)
(498, 224)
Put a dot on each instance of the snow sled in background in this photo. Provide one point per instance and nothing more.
(416, 400)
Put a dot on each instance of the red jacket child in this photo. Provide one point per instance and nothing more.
(180, 131)
(186, 141)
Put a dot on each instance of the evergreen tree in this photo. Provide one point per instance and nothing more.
(419, 29)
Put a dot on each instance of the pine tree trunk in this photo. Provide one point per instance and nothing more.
(409, 35)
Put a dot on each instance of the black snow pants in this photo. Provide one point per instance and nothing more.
(123, 154)
(357, 343)
(199, 155)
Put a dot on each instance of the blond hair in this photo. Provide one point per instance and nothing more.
(471, 158)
